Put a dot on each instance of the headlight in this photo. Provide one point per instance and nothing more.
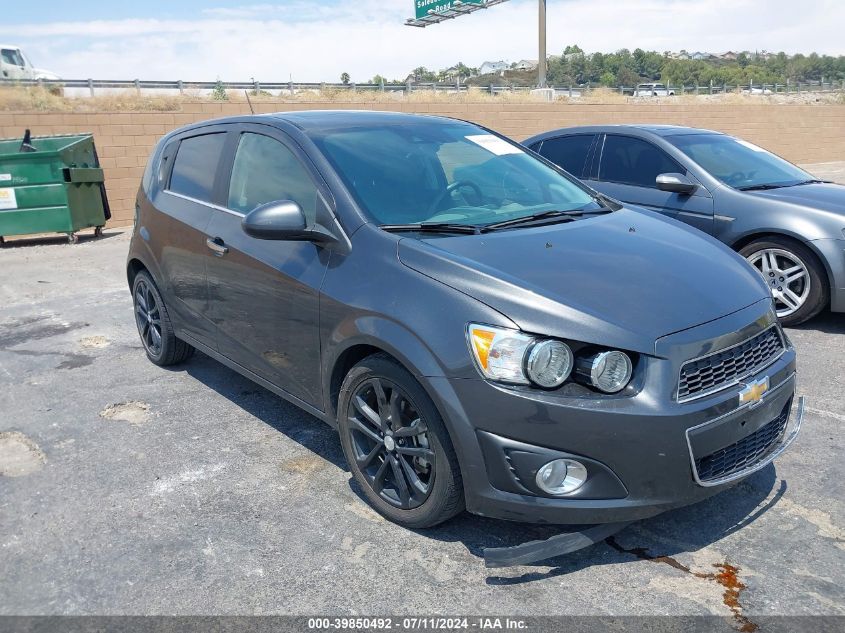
(608, 371)
(511, 356)
(499, 353)
(549, 363)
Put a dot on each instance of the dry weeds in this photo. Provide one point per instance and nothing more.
(40, 100)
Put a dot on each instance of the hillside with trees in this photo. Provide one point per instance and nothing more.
(628, 68)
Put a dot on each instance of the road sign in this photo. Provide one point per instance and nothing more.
(434, 11)
(429, 7)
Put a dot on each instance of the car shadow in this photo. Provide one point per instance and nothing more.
(827, 322)
(659, 538)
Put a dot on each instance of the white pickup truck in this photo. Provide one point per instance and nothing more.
(653, 90)
(14, 64)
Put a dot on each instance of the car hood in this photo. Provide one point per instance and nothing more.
(822, 196)
(623, 279)
(40, 73)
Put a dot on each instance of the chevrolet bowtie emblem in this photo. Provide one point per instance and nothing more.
(753, 392)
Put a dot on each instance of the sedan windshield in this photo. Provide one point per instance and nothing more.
(455, 173)
(737, 163)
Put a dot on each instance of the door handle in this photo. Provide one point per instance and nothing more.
(216, 244)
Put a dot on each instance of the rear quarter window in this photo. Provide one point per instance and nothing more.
(195, 166)
(149, 171)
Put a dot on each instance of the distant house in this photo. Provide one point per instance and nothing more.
(681, 54)
(488, 68)
(699, 55)
(525, 64)
(729, 56)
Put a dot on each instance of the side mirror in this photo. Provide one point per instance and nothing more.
(282, 220)
(676, 183)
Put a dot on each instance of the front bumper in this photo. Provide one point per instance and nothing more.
(642, 452)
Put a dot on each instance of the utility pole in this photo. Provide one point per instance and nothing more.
(541, 62)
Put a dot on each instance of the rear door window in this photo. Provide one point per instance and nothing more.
(568, 152)
(196, 166)
(632, 161)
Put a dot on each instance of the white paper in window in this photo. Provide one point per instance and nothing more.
(494, 144)
(751, 146)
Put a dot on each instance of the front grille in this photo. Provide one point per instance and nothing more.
(728, 366)
(744, 453)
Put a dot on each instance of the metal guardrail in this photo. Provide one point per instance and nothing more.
(291, 87)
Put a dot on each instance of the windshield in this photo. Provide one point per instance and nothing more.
(738, 163)
(445, 172)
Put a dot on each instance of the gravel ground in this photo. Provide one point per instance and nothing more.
(130, 489)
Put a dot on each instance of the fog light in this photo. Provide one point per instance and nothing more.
(561, 476)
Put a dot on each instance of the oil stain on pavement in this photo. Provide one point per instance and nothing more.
(726, 576)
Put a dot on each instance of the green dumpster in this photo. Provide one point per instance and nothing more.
(51, 184)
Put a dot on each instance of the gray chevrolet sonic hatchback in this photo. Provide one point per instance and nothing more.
(484, 331)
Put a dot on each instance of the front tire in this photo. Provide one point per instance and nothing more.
(397, 446)
(154, 326)
(793, 273)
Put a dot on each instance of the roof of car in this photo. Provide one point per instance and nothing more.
(651, 128)
(320, 119)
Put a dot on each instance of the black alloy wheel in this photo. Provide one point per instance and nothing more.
(397, 446)
(390, 442)
(148, 317)
(154, 327)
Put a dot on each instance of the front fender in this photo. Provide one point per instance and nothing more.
(387, 335)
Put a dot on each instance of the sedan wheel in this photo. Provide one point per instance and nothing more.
(787, 277)
(794, 275)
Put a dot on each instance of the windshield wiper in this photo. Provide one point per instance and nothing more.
(762, 187)
(812, 182)
(563, 216)
(433, 227)
(774, 185)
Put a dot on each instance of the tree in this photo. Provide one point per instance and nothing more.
(344, 79)
(378, 79)
(219, 92)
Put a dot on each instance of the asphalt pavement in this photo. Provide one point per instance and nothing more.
(126, 488)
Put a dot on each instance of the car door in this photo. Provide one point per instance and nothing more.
(568, 152)
(189, 170)
(627, 170)
(13, 64)
(264, 294)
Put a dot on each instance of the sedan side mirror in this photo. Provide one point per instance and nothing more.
(676, 183)
(282, 220)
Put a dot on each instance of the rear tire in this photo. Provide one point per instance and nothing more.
(391, 433)
(793, 273)
(160, 343)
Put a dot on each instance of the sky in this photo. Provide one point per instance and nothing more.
(307, 41)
